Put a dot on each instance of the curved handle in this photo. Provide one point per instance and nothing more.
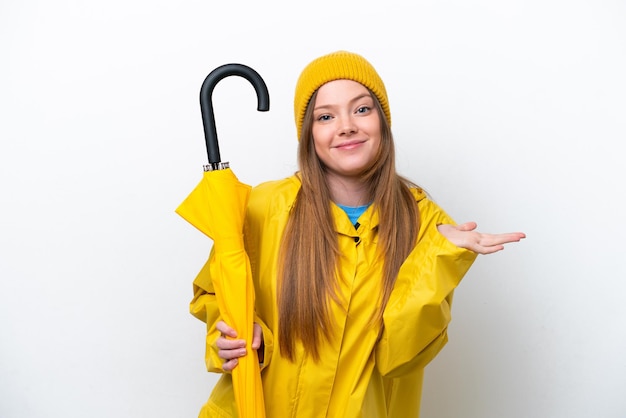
(206, 103)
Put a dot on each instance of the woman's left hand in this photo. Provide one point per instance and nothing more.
(465, 236)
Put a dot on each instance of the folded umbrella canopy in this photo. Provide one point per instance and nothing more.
(217, 208)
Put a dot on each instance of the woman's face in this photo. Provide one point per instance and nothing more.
(346, 128)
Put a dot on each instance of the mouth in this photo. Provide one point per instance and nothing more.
(348, 145)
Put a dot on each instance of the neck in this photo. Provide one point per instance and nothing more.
(348, 191)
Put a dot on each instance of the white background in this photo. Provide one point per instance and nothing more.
(510, 113)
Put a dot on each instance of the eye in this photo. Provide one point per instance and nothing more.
(363, 109)
(323, 118)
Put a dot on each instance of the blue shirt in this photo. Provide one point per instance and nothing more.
(354, 212)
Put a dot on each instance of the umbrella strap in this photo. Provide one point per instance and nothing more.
(216, 166)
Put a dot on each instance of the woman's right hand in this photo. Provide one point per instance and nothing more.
(231, 348)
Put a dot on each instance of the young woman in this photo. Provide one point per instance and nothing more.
(354, 267)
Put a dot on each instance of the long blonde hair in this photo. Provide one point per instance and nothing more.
(309, 249)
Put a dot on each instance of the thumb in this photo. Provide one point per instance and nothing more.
(467, 226)
(257, 336)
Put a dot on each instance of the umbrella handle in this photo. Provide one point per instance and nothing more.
(206, 103)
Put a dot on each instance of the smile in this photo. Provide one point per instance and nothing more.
(349, 145)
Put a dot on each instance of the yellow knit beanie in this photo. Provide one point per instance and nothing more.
(337, 66)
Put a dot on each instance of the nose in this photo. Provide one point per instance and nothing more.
(347, 126)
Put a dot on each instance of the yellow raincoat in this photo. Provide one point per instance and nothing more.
(358, 376)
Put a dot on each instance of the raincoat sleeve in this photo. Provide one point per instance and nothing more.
(204, 307)
(418, 311)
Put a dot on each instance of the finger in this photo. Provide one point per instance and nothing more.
(222, 327)
(499, 239)
(231, 354)
(511, 237)
(257, 336)
(488, 250)
(224, 343)
(229, 365)
(483, 244)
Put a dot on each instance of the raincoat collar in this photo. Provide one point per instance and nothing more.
(369, 220)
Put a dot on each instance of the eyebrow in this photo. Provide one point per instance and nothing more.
(355, 99)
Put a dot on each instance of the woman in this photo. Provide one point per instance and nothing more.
(354, 267)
